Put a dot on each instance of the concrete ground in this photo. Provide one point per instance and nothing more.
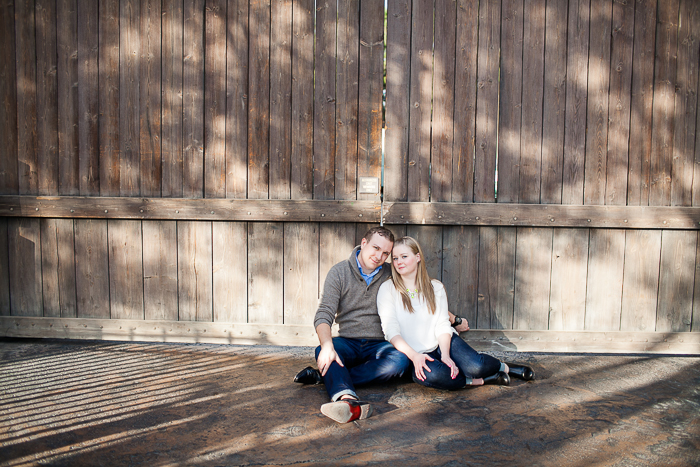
(106, 403)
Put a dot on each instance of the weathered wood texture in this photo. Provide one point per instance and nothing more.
(200, 160)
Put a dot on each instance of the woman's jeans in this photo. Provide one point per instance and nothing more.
(366, 361)
(471, 364)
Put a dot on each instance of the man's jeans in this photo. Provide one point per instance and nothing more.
(366, 361)
(471, 364)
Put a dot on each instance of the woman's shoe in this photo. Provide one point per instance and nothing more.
(501, 379)
(521, 371)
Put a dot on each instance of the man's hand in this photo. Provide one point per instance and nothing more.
(327, 356)
(463, 327)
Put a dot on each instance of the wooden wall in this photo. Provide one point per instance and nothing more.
(496, 107)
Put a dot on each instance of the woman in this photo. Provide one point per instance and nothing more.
(413, 311)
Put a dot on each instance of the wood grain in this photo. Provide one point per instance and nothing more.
(125, 269)
(567, 295)
(109, 106)
(24, 242)
(9, 134)
(68, 103)
(215, 99)
(301, 267)
(172, 104)
(265, 272)
(606, 260)
(194, 271)
(92, 268)
(641, 281)
(533, 268)
(230, 263)
(160, 298)
(510, 101)
(674, 310)
(496, 288)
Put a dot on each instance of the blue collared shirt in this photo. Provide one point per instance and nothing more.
(366, 277)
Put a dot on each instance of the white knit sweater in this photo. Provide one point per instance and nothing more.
(419, 329)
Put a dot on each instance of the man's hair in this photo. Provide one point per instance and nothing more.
(382, 231)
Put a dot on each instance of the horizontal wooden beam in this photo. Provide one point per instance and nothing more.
(478, 214)
(675, 343)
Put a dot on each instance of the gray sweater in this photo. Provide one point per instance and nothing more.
(348, 300)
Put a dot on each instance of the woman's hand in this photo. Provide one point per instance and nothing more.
(454, 371)
(419, 364)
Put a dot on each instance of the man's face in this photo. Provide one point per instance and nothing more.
(373, 253)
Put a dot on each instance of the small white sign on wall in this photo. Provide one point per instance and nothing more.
(369, 185)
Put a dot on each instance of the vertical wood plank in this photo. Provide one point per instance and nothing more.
(109, 91)
(259, 100)
(4, 268)
(665, 67)
(129, 97)
(47, 96)
(674, 311)
(302, 100)
(606, 260)
(237, 99)
(533, 266)
(265, 272)
(230, 242)
(421, 101)
(496, 287)
(398, 63)
(696, 291)
(324, 100)
(347, 100)
(26, 97)
(567, 296)
(301, 263)
(576, 102)
(58, 267)
(160, 270)
(125, 269)
(172, 116)
(215, 99)
(443, 101)
(9, 174)
(467, 39)
(92, 268)
(337, 241)
(430, 239)
(619, 103)
(68, 170)
(194, 271)
(641, 280)
(533, 92)
(487, 101)
(80, 170)
(598, 92)
(193, 100)
(686, 102)
(510, 101)
(371, 86)
(281, 40)
(460, 270)
(150, 72)
(25, 267)
(554, 106)
(641, 103)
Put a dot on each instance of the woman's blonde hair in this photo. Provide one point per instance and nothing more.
(423, 284)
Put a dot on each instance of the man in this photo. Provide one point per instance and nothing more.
(360, 355)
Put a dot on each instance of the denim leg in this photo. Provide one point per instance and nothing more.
(470, 362)
(337, 379)
(381, 362)
(439, 376)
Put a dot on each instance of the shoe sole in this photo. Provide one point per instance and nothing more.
(341, 412)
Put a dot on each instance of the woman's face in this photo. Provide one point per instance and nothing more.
(404, 260)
